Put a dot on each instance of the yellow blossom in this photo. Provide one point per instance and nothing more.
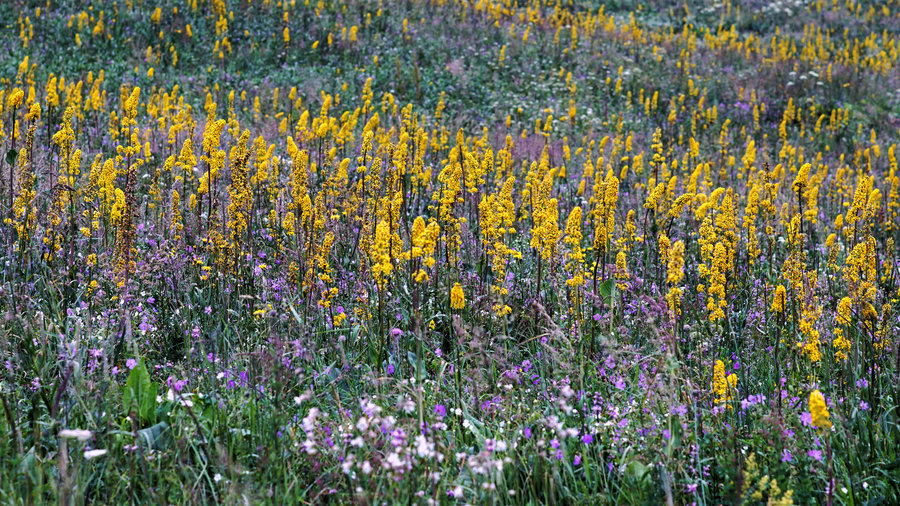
(457, 297)
(818, 410)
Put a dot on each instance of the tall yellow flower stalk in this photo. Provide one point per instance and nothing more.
(575, 258)
(726, 229)
(323, 266)
(125, 230)
(893, 203)
(841, 344)
(750, 212)
(23, 210)
(545, 232)
(241, 196)
(622, 274)
(13, 101)
(298, 220)
(449, 195)
(860, 272)
(91, 194)
(723, 386)
(381, 267)
(802, 293)
(717, 251)
(423, 243)
(380, 255)
(65, 189)
(186, 161)
(176, 225)
(674, 276)
(712, 270)
(856, 218)
(605, 199)
(819, 411)
(213, 158)
(497, 214)
(457, 297)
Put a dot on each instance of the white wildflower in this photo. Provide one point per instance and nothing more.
(79, 434)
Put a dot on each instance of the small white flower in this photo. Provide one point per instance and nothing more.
(424, 448)
(217, 478)
(393, 461)
(90, 454)
(347, 465)
(79, 434)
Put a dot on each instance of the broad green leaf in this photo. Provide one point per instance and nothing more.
(140, 393)
(415, 363)
(674, 436)
(154, 436)
(636, 471)
(31, 468)
(607, 289)
(474, 425)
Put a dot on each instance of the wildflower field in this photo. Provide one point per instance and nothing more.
(449, 252)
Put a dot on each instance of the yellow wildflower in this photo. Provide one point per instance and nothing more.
(457, 297)
(818, 410)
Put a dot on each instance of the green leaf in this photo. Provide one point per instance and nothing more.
(415, 363)
(11, 156)
(148, 403)
(330, 374)
(636, 471)
(140, 393)
(475, 425)
(674, 436)
(155, 436)
(607, 288)
(31, 468)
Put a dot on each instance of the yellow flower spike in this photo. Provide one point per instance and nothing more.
(457, 297)
(819, 411)
(778, 302)
(573, 238)
(723, 386)
(381, 257)
(621, 269)
(844, 311)
(675, 263)
(14, 99)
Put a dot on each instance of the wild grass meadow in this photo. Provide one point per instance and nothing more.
(449, 252)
